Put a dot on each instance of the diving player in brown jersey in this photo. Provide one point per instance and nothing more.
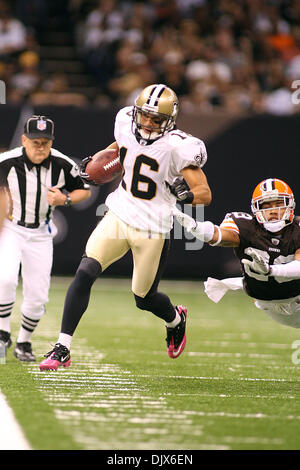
(267, 243)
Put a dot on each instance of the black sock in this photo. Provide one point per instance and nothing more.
(78, 294)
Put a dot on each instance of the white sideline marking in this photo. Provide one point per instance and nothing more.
(216, 378)
(11, 435)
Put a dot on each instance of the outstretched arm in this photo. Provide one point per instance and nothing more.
(290, 270)
(207, 231)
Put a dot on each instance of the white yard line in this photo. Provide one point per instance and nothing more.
(111, 395)
(11, 435)
(194, 377)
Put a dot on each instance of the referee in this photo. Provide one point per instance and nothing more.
(36, 178)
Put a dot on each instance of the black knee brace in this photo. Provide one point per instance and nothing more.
(87, 272)
(145, 303)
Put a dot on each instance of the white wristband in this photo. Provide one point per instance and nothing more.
(203, 231)
(219, 237)
(291, 269)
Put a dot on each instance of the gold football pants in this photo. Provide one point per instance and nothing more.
(113, 238)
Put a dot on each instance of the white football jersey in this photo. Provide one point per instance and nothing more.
(143, 199)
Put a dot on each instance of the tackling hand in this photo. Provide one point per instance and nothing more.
(185, 220)
(204, 231)
(259, 263)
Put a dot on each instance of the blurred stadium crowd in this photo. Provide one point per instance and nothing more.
(233, 55)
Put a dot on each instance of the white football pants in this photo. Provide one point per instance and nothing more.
(33, 249)
(286, 312)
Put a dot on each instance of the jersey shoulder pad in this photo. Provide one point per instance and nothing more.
(238, 215)
(123, 122)
(236, 221)
(124, 114)
(228, 223)
(188, 146)
(181, 138)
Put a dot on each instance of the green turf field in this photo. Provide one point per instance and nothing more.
(234, 387)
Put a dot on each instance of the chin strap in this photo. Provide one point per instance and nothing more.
(141, 140)
(275, 226)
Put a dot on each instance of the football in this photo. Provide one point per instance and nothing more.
(104, 167)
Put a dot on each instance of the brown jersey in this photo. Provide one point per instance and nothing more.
(280, 249)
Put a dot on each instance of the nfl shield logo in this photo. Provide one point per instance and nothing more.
(41, 125)
(275, 241)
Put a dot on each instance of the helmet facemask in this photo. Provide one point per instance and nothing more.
(163, 123)
(281, 201)
(161, 104)
(284, 206)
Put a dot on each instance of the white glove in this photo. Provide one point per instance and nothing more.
(204, 231)
(185, 220)
(260, 261)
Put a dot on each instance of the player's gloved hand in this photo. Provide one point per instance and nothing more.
(181, 190)
(204, 231)
(82, 173)
(259, 263)
(185, 220)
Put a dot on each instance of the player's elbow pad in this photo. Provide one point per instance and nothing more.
(204, 231)
(291, 269)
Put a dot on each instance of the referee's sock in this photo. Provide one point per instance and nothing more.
(5, 313)
(27, 328)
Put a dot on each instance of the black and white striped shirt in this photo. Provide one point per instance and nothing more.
(28, 184)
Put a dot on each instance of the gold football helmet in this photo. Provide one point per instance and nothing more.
(273, 190)
(154, 113)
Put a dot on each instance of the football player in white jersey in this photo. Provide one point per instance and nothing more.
(161, 164)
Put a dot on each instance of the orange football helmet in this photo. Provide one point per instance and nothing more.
(273, 189)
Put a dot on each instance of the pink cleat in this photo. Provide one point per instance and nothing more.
(176, 337)
(58, 356)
